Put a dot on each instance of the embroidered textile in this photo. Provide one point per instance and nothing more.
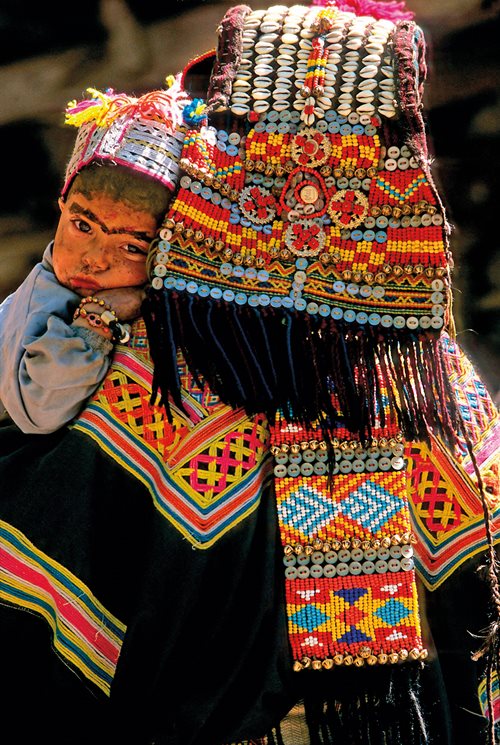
(204, 469)
(87, 635)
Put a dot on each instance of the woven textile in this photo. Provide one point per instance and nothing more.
(85, 634)
(203, 469)
(496, 698)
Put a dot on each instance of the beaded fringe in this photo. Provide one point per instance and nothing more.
(270, 359)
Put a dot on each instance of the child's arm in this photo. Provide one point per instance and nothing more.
(49, 366)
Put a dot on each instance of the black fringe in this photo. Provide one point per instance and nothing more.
(375, 707)
(270, 359)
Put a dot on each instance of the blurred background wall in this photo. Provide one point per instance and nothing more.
(49, 56)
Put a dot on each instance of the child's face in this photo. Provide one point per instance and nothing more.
(101, 243)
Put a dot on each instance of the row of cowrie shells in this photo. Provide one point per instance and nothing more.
(366, 83)
(260, 40)
(266, 80)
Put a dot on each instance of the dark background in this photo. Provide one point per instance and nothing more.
(49, 56)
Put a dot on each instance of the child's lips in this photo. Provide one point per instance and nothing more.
(84, 283)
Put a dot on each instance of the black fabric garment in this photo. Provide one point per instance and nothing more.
(205, 659)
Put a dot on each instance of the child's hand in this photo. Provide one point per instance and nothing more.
(125, 301)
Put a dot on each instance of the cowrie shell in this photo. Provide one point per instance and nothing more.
(241, 85)
(281, 95)
(368, 72)
(285, 72)
(281, 83)
(263, 46)
(365, 96)
(387, 71)
(290, 39)
(373, 59)
(268, 39)
(261, 94)
(387, 111)
(305, 44)
(374, 47)
(262, 82)
(240, 110)
(264, 59)
(261, 106)
(303, 54)
(349, 76)
(367, 84)
(354, 43)
(347, 88)
(387, 84)
(240, 98)
(350, 66)
(244, 75)
(298, 104)
(366, 108)
(285, 59)
(269, 27)
(281, 105)
(344, 110)
(345, 98)
(263, 70)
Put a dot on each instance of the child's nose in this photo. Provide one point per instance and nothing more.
(96, 256)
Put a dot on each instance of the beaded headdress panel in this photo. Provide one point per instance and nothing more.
(305, 253)
(144, 134)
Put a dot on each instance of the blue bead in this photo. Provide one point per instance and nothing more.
(246, 223)
(337, 313)
(216, 293)
(253, 300)
(334, 128)
(349, 315)
(276, 302)
(381, 236)
(251, 272)
(324, 310)
(204, 291)
(368, 235)
(267, 229)
(264, 300)
(232, 150)
(358, 129)
(312, 308)
(300, 304)
(180, 284)
(192, 287)
(228, 295)
(263, 276)
(374, 319)
(357, 235)
(164, 245)
(240, 298)
(361, 317)
(222, 135)
(345, 129)
(287, 302)
(238, 271)
(234, 218)
(301, 263)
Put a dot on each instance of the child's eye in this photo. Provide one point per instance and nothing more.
(82, 225)
(135, 251)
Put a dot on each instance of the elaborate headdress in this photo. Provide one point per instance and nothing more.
(306, 251)
(145, 133)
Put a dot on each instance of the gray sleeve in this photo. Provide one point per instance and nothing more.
(48, 368)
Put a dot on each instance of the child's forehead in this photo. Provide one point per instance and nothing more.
(112, 215)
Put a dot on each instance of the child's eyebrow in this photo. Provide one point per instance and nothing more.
(76, 208)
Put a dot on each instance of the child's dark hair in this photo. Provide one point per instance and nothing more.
(122, 183)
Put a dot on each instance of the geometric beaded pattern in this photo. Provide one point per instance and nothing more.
(204, 470)
(309, 208)
(353, 620)
(347, 549)
(364, 506)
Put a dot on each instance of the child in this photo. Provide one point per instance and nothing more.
(58, 329)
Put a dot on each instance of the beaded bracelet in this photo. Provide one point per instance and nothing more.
(107, 320)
